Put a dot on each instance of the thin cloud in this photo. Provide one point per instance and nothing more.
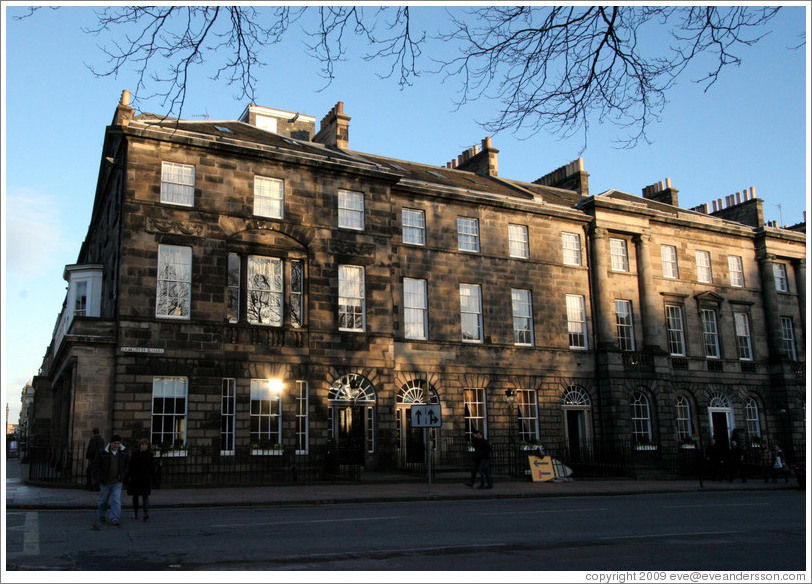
(34, 233)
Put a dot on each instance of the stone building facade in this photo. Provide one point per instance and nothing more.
(256, 290)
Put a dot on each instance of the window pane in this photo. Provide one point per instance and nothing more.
(350, 210)
(169, 411)
(742, 325)
(571, 243)
(703, 267)
(351, 298)
(676, 338)
(174, 281)
(734, 264)
(414, 227)
(518, 241)
(269, 197)
(471, 312)
(710, 333)
(264, 289)
(625, 328)
(576, 321)
(415, 308)
(619, 255)
(669, 257)
(177, 184)
(522, 317)
(468, 234)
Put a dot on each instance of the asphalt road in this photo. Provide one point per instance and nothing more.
(760, 530)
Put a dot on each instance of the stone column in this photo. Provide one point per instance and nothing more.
(648, 304)
(772, 314)
(800, 278)
(600, 286)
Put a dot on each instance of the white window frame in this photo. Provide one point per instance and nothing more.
(413, 226)
(736, 268)
(415, 309)
(80, 298)
(351, 299)
(641, 418)
(265, 431)
(228, 415)
(752, 421)
(682, 412)
(571, 246)
(265, 291)
(704, 273)
(522, 303)
(269, 197)
(780, 277)
(351, 210)
(744, 344)
(169, 414)
(675, 326)
(710, 332)
(788, 338)
(668, 253)
(518, 241)
(527, 412)
(625, 325)
(475, 411)
(468, 234)
(177, 184)
(471, 313)
(576, 321)
(173, 295)
(302, 417)
(233, 287)
(619, 254)
(297, 282)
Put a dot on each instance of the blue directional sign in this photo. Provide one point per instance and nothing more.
(426, 416)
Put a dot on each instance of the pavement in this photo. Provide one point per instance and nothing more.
(373, 487)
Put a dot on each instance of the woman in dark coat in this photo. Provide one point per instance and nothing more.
(141, 471)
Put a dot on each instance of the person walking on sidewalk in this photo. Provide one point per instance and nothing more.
(482, 453)
(140, 477)
(94, 446)
(112, 465)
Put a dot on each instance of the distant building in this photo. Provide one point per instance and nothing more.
(256, 291)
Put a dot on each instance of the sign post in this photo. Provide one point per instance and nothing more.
(426, 416)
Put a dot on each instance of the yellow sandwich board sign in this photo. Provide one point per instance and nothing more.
(541, 469)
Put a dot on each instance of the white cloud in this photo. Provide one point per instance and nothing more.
(34, 233)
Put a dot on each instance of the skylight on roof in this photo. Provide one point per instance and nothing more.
(397, 166)
(223, 129)
(437, 174)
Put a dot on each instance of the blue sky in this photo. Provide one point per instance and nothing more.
(750, 129)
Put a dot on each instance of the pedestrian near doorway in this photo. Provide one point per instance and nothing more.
(141, 476)
(112, 465)
(94, 446)
(482, 461)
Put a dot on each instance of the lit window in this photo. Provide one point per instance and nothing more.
(471, 313)
(710, 333)
(743, 343)
(571, 244)
(736, 269)
(518, 241)
(625, 327)
(351, 210)
(753, 420)
(619, 255)
(265, 293)
(780, 277)
(522, 316)
(415, 308)
(528, 413)
(703, 267)
(668, 253)
(576, 321)
(269, 197)
(174, 291)
(266, 417)
(468, 234)
(177, 184)
(674, 325)
(351, 298)
(414, 226)
(169, 412)
(475, 418)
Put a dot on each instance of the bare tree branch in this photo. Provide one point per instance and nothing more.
(552, 68)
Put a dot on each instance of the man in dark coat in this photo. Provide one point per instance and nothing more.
(94, 446)
(112, 465)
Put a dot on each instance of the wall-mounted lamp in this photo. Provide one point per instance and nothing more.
(510, 395)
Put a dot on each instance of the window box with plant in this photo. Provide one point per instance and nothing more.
(266, 448)
(648, 445)
(167, 450)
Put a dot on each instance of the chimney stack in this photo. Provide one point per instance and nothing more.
(571, 176)
(335, 128)
(124, 113)
(662, 192)
(484, 162)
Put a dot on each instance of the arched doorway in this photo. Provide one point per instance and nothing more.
(577, 408)
(720, 416)
(411, 442)
(352, 403)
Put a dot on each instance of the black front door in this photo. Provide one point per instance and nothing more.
(351, 434)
